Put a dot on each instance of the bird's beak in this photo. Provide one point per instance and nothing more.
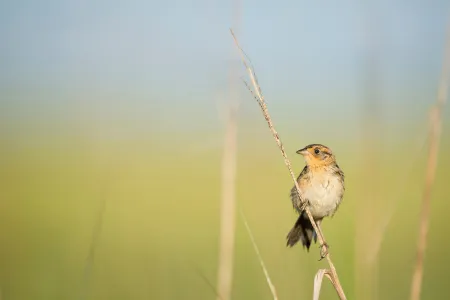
(302, 152)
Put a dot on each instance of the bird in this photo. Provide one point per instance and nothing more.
(321, 184)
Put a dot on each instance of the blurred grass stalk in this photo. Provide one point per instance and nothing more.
(272, 288)
(104, 186)
(228, 207)
(228, 197)
(87, 274)
(434, 133)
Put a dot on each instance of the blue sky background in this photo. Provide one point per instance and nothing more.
(150, 66)
(123, 102)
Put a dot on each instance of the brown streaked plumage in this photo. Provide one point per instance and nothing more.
(322, 185)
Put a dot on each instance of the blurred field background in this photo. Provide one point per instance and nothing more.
(112, 120)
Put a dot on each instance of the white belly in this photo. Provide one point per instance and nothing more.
(324, 196)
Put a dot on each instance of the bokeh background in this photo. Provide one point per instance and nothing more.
(112, 125)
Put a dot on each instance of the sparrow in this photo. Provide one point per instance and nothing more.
(322, 187)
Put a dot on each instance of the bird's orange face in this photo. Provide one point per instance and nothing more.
(317, 155)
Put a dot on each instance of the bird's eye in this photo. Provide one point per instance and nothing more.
(316, 151)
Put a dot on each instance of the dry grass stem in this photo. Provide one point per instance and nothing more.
(228, 206)
(318, 282)
(260, 99)
(228, 197)
(435, 132)
(263, 266)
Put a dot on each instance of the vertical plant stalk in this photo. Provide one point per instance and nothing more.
(257, 93)
(227, 208)
(272, 288)
(228, 197)
(435, 133)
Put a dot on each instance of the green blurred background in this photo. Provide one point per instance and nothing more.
(112, 126)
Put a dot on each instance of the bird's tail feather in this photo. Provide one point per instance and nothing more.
(303, 231)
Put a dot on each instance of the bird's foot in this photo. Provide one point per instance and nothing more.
(323, 251)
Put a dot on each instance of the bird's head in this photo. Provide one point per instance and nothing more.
(317, 155)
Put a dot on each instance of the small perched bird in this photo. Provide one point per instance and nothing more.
(322, 187)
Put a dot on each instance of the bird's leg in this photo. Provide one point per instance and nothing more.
(324, 246)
